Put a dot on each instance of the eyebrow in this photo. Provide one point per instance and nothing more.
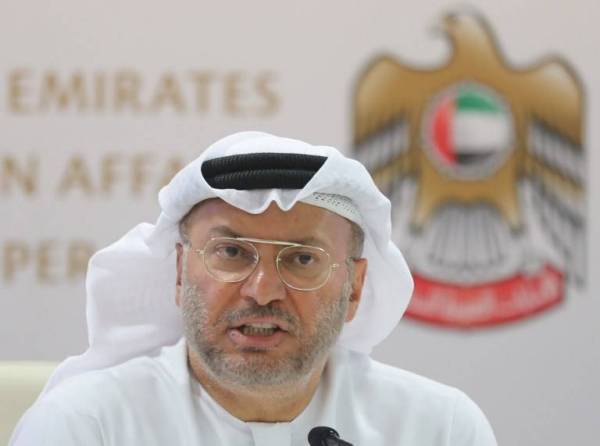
(223, 231)
(226, 231)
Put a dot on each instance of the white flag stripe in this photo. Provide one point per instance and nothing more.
(476, 132)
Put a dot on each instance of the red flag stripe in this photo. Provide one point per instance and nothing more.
(442, 129)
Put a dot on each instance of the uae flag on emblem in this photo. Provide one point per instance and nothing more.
(468, 127)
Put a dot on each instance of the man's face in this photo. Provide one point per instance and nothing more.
(229, 326)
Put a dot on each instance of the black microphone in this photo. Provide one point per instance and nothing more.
(325, 436)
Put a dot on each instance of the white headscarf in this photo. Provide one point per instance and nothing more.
(130, 284)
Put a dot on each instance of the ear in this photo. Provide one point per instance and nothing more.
(358, 282)
(179, 249)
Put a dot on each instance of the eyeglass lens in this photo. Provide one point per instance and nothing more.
(301, 267)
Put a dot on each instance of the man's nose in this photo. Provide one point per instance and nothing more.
(264, 284)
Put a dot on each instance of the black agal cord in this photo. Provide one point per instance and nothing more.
(261, 171)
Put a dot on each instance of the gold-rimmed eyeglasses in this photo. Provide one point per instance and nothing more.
(300, 267)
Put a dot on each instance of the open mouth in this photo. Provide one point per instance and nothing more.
(259, 329)
(258, 335)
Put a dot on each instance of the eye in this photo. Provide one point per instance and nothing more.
(229, 251)
(232, 251)
(304, 259)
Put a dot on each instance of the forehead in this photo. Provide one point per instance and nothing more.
(302, 223)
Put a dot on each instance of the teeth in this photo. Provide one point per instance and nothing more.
(261, 325)
(258, 329)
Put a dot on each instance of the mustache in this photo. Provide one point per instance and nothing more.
(255, 310)
(252, 309)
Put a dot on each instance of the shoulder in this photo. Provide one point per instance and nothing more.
(88, 404)
(50, 423)
(89, 391)
(396, 398)
(391, 382)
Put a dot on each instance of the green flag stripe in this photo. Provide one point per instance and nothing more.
(468, 100)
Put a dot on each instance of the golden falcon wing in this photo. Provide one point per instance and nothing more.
(553, 159)
(383, 118)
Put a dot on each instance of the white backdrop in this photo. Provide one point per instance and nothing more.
(153, 83)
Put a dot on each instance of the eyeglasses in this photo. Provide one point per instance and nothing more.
(300, 267)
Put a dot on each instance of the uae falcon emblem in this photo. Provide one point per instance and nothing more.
(485, 168)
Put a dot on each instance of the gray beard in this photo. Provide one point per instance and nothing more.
(254, 368)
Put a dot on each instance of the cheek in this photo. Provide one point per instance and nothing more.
(214, 297)
(307, 308)
(311, 307)
(334, 298)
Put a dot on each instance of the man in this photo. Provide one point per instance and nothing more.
(279, 257)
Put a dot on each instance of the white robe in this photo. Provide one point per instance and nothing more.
(155, 401)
